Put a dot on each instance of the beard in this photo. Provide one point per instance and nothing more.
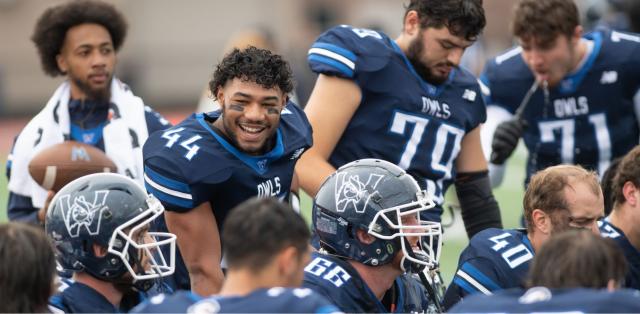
(414, 52)
(101, 95)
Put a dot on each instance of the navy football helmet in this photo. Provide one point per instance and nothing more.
(379, 198)
(114, 212)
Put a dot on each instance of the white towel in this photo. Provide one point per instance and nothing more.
(51, 125)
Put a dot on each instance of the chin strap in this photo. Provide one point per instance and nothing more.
(436, 301)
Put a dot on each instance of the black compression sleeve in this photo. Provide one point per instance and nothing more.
(479, 208)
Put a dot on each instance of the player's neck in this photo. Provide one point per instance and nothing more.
(243, 282)
(579, 54)
(536, 239)
(378, 278)
(622, 217)
(403, 42)
(106, 289)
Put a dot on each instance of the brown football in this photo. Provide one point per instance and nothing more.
(62, 163)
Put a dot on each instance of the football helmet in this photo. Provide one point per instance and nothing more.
(378, 197)
(114, 212)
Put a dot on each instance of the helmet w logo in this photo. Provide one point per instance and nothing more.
(353, 193)
(82, 213)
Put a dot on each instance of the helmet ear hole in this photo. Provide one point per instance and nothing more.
(364, 237)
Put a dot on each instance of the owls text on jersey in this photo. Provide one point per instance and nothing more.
(272, 300)
(190, 164)
(543, 300)
(632, 255)
(426, 123)
(495, 259)
(341, 284)
(590, 118)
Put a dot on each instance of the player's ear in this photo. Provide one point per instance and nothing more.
(62, 63)
(411, 23)
(364, 237)
(577, 34)
(219, 95)
(541, 221)
(287, 260)
(629, 192)
(99, 250)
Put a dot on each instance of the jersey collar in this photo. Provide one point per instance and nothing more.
(258, 163)
(571, 82)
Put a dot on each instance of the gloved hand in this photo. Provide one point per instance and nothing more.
(505, 139)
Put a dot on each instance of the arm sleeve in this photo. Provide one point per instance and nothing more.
(155, 121)
(171, 189)
(476, 275)
(20, 209)
(348, 52)
(480, 210)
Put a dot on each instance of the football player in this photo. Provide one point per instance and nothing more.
(405, 101)
(99, 227)
(79, 40)
(570, 96)
(266, 246)
(583, 280)
(372, 239)
(206, 165)
(27, 269)
(620, 224)
(557, 199)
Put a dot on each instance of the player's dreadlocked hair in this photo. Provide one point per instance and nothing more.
(463, 18)
(253, 65)
(53, 24)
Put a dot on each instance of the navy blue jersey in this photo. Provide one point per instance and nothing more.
(272, 300)
(80, 298)
(341, 284)
(543, 300)
(401, 118)
(495, 259)
(190, 164)
(590, 117)
(631, 253)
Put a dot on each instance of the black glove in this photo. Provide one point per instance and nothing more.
(505, 140)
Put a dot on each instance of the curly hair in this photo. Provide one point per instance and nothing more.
(52, 26)
(463, 18)
(253, 65)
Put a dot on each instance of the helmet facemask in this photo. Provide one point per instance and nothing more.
(140, 250)
(404, 222)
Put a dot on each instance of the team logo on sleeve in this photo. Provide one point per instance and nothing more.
(82, 213)
(352, 193)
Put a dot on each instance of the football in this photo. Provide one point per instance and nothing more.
(62, 163)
